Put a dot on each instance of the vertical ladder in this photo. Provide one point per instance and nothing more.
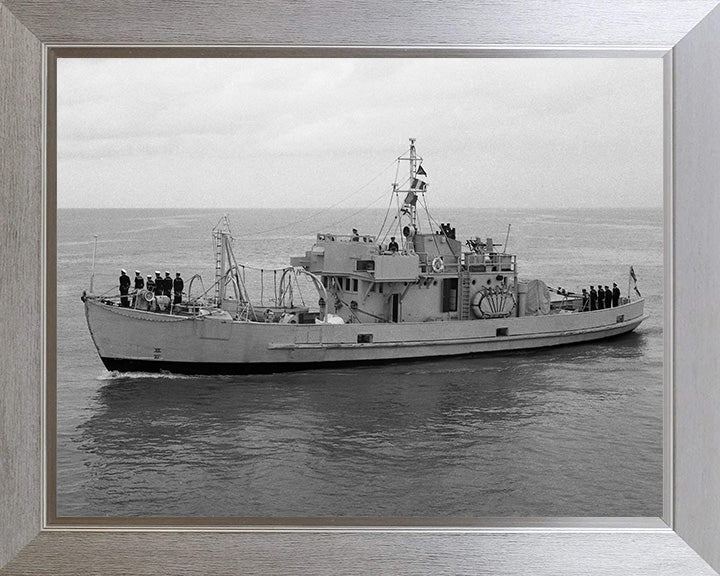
(218, 263)
(464, 312)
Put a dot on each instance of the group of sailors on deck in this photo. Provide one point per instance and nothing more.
(601, 298)
(160, 287)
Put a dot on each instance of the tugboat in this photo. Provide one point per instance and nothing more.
(421, 294)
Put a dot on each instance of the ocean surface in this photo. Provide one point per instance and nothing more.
(570, 431)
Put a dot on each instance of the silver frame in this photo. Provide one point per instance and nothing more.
(486, 539)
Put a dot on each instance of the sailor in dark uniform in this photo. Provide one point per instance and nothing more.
(167, 284)
(159, 284)
(593, 298)
(601, 297)
(608, 297)
(615, 295)
(124, 288)
(150, 284)
(178, 286)
(585, 300)
(393, 246)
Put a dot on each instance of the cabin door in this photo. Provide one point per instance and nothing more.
(395, 307)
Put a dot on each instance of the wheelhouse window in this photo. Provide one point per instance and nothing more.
(365, 265)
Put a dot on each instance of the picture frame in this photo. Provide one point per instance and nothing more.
(684, 34)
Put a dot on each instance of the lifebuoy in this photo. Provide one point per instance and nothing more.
(475, 304)
(148, 296)
(437, 264)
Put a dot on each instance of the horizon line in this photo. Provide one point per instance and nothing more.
(206, 209)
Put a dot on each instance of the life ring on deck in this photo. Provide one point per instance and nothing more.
(149, 296)
(475, 304)
(437, 264)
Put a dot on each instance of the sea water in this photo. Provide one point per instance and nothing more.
(569, 431)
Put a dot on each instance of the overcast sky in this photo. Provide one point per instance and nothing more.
(225, 133)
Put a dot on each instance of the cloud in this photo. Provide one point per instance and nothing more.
(514, 132)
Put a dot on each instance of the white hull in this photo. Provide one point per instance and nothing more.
(134, 340)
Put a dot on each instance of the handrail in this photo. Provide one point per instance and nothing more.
(361, 238)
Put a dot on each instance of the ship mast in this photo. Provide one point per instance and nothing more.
(410, 202)
(417, 185)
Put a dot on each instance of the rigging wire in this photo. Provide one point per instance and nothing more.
(387, 212)
(427, 212)
(432, 220)
(380, 197)
(324, 209)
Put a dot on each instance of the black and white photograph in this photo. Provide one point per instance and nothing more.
(387, 288)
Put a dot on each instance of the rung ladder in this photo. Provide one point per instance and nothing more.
(464, 312)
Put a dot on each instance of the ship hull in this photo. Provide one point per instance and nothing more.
(130, 340)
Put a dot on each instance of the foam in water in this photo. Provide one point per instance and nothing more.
(116, 375)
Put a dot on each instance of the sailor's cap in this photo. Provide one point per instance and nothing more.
(157, 271)
(137, 271)
(123, 271)
(166, 272)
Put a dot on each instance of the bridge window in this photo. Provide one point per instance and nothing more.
(365, 265)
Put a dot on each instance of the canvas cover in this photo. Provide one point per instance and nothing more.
(537, 301)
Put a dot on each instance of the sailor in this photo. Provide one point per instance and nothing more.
(139, 285)
(167, 284)
(393, 246)
(615, 295)
(601, 297)
(355, 235)
(593, 298)
(124, 288)
(159, 284)
(150, 284)
(178, 286)
(585, 300)
(608, 297)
